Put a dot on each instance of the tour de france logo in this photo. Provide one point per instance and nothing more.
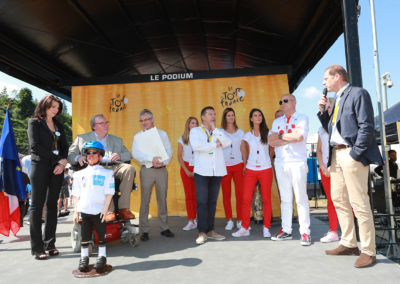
(232, 96)
(119, 103)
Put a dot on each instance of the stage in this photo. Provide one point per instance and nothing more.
(179, 260)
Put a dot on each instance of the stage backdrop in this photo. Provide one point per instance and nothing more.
(172, 103)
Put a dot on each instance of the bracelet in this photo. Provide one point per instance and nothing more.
(280, 136)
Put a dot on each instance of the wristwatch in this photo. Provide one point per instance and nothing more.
(280, 136)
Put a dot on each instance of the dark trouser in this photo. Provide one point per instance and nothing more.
(45, 188)
(88, 222)
(207, 189)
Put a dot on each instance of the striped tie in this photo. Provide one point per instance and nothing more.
(335, 111)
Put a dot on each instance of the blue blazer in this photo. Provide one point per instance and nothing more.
(355, 123)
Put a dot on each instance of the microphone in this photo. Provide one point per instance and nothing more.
(324, 92)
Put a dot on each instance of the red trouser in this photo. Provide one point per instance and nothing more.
(250, 180)
(333, 219)
(190, 192)
(235, 172)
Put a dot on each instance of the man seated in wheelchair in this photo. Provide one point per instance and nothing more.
(93, 189)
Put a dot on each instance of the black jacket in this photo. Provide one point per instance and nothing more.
(41, 141)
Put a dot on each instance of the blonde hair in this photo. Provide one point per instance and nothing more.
(185, 136)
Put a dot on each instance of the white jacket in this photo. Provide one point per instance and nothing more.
(208, 159)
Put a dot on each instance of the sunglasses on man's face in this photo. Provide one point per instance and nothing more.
(285, 101)
(91, 153)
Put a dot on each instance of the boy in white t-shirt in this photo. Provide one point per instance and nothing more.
(93, 189)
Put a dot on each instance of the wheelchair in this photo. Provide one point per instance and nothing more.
(116, 230)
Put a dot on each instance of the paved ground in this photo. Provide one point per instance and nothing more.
(160, 260)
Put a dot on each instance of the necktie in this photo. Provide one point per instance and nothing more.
(335, 110)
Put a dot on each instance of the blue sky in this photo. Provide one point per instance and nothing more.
(387, 18)
(387, 15)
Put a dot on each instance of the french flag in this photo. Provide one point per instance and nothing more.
(12, 187)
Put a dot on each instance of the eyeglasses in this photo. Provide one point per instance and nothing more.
(143, 120)
(103, 123)
(285, 101)
(91, 153)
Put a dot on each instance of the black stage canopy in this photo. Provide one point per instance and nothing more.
(57, 44)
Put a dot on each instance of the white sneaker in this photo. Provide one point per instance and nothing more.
(239, 224)
(242, 232)
(190, 226)
(330, 237)
(266, 233)
(229, 226)
(201, 239)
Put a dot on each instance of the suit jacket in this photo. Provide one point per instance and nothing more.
(355, 123)
(41, 141)
(114, 145)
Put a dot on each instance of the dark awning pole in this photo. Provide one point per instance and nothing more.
(353, 60)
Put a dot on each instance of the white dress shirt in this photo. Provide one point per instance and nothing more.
(188, 154)
(293, 151)
(336, 138)
(92, 184)
(232, 154)
(257, 161)
(208, 159)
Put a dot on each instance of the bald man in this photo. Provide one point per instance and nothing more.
(289, 137)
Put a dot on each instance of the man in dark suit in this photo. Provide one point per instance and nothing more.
(352, 148)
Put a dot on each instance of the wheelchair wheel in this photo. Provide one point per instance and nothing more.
(133, 240)
(76, 238)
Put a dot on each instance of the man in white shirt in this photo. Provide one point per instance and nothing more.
(157, 174)
(289, 137)
(209, 168)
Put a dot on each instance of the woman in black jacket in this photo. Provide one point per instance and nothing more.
(49, 150)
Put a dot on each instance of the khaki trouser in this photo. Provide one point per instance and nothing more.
(349, 190)
(126, 174)
(149, 177)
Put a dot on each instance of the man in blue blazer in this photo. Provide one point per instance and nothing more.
(352, 148)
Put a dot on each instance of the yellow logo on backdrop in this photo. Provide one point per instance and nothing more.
(232, 96)
(118, 103)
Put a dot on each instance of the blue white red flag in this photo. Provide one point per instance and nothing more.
(12, 186)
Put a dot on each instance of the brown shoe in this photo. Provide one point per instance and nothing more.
(365, 260)
(110, 217)
(125, 214)
(342, 250)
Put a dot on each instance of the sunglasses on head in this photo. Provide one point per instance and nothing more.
(91, 153)
(285, 101)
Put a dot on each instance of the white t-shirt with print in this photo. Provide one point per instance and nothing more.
(92, 184)
(293, 151)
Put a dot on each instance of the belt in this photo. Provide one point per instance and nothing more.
(341, 146)
(154, 167)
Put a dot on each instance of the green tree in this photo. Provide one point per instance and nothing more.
(21, 110)
(24, 104)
